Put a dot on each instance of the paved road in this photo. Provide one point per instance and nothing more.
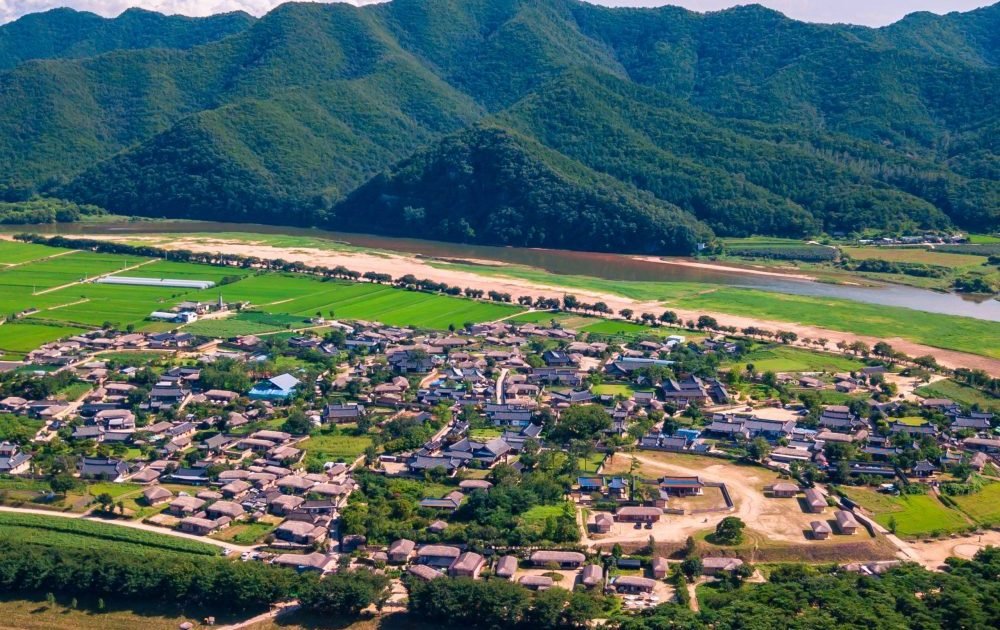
(133, 525)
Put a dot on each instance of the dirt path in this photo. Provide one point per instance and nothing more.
(390, 263)
(692, 589)
(277, 611)
(28, 262)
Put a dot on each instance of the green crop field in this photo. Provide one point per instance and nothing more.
(777, 358)
(13, 252)
(23, 337)
(915, 515)
(962, 394)
(982, 506)
(941, 331)
(247, 323)
(59, 531)
(299, 295)
(188, 271)
(920, 255)
(73, 267)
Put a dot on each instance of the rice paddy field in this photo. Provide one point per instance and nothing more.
(53, 284)
(13, 253)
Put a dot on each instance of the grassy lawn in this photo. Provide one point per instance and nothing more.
(73, 391)
(321, 448)
(961, 394)
(245, 533)
(915, 514)
(613, 389)
(983, 506)
(591, 463)
(911, 421)
(540, 513)
(116, 490)
(620, 327)
(481, 435)
(779, 358)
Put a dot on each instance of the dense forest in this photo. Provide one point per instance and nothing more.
(45, 211)
(551, 123)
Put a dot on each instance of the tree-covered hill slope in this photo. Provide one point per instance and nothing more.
(742, 120)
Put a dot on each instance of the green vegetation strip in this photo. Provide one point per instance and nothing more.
(81, 529)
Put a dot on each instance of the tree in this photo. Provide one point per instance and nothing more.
(706, 322)
(297, 423)
(105, 502)
(729, 531)
(345, 594)
(581, 422)
(61, 483)
(758, 449)
(691, 567)
(669, 318)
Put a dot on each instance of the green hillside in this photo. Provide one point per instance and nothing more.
(66, 34)
(662, 123)
(514, 191)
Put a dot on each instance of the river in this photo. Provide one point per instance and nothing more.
(607, 266)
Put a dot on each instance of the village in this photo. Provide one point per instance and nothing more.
(367, 445)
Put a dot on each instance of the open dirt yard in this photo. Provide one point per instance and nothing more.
(933, 553)
(770, 521)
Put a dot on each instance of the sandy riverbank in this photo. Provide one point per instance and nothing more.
(397, 264)
(680, 262)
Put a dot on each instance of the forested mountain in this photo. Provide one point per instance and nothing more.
(529, 122)
(66, 34)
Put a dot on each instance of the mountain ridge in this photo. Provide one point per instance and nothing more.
(742, 120)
